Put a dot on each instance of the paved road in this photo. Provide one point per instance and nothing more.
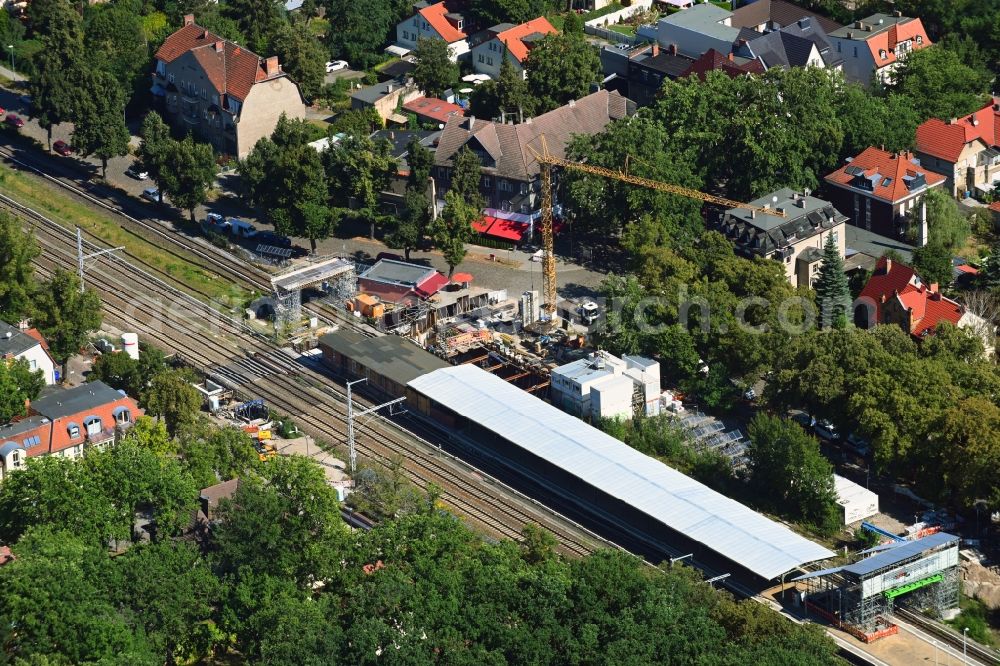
(514, 271)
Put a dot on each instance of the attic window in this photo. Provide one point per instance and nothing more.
(882, 52)
(73, 430)
(887, 182)
(920, 39)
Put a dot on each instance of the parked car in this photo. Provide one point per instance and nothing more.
(335, 66)
(750, 394)
(216, 223)
(804, 420)
(826, 430)
(242, 228)
(25, 100)
(62, 148)
(273, 238)
(137, 172)
(858, 444)
(152, 194)
(14, 121)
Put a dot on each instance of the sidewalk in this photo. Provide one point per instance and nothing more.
(8, 73)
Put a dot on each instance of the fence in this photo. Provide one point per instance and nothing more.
(636, 7)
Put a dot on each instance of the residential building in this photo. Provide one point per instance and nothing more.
(966, 151)
(220, 91)
(884, 192)
(433, 21)
(400, 282)
(803, 43)
(768, 15)
(67, 423)
(385, 98)
(638, 73)
(510, 174)
(695, 30)
(895, 294)
(873, 47)
(509, 41)
(433, 111)
(796, 240)
(29, 345)
(712, 61)
(605, 386)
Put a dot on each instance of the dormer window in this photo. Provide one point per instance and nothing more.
(882, 53)
(73, 430)
(93, 425)
(122, 416)
(920, 39)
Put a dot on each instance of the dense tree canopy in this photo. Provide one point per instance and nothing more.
(434, 71)
(65, 315)
(561, 68)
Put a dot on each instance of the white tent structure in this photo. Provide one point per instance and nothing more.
(856, 502)
(755, 542)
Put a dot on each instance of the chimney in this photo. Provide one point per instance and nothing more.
(975, 121)
(933, 288)
(672, 49)
(572, 103)
(882, 298)
(850, 35)
(753, 214)
(271, 66)
(472, 122)
(656, 49)
(8, 335)
(897, 13)
(219, 46)
(388, 88)
(189, 19)
(730, 56)
(237, 51)
(780, 210)
(888, 265)
(953, 121)
(204, 34)
(801, 203)
(859, 25)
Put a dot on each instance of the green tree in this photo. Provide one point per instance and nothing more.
(151, 434)
(434, 71)
(171, 396)
(946, 225)
(65, 315)
(363, 29)
(115, 44)
(18, 383)
(937, 84)
(492, 12)
(420, 160)
(189, 172)
(832, 293)
(283, 176)
(120, 371)
(465, 177)
(302, 57)
(789, 474)
(561, 68)
(58, 66)
(933, 263)
(288, 526)
(154, 149)
(259, 21)
(453, 228)
(358, 169)
(410, 227)
(171, 591)
(99, 128)
(53, 595)
(18, 251)
(508, 94)
(211, 454)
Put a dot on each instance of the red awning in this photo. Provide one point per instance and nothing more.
(508, 230)
(431, 285)
(483, 224)
(461, 278)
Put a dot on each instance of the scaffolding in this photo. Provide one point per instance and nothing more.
(334, 276)
(861, 597)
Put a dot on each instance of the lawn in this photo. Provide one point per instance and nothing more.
(54, 204)
(623, 29)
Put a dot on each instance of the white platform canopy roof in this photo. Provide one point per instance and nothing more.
(688, 507)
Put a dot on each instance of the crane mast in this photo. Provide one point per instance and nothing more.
(546, 161)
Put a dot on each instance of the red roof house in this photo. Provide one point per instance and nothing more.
(513, 42)
(873, 46)
(433, 110)
(884, 190)
(895, 294)
(431, 21)
(221, 91)
(66, 423)
(950, 146)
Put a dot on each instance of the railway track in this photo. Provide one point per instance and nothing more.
(977, 653)
(194, 249)
(226, 349)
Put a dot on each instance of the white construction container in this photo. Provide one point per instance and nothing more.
(857, 502)
(130, 345)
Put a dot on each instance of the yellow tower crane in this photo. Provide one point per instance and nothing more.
(547, 160)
